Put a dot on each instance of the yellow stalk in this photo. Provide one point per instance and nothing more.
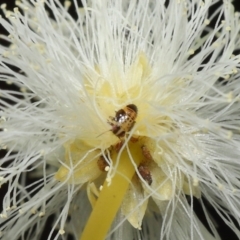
(110, 197)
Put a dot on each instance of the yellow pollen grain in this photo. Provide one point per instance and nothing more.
(41, 214)
(61, 231)
(33, 211)
(107, 168)
(111, 195)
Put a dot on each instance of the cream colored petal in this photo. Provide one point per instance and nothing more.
(134, 204)
(92, 193)
(80, 164)
(161, 187)
(87, 171)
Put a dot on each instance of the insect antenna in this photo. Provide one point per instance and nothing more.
(103, 133)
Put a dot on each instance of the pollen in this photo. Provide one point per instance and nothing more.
(61, 231)
(107, 168)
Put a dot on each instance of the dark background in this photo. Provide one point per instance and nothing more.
(224, 231)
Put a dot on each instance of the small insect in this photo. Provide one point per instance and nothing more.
(143, 168)
(103, 161)
(102, 164)
(124, 120)
(145, 173)
(146, 153)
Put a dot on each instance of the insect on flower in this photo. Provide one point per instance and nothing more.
(124, 120)
(145, 173)
(143, 168)
(122, 123)
(172, 70)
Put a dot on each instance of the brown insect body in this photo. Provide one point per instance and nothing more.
(145, 173)
(102, 163)
(122, 123)
(124, 120)
(143, 168)
(146, 153)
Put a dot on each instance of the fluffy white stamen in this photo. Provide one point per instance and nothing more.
(177, 61)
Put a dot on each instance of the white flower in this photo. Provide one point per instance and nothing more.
(162, 64)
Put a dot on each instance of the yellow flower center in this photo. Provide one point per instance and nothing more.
(131, 163)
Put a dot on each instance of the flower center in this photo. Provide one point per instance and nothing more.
(129, 151)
